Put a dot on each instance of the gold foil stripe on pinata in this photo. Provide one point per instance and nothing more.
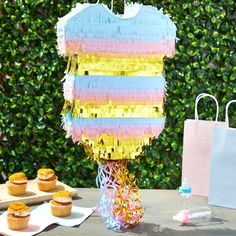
(123, 55)
(112, 111)
(115, 66)
(110, 148)
(66, 107)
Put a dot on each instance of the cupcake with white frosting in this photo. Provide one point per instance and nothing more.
(17, 184)
(46, 179)
(18, 215)
(61, 204)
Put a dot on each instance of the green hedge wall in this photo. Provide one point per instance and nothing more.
(31, 96)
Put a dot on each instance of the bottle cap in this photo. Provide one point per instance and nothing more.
(185, 189)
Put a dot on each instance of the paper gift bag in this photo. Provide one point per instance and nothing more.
(222, 188)
(196, 149)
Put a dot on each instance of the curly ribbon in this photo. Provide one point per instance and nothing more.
(120, 202)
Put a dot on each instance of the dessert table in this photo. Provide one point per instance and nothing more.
(159, 206)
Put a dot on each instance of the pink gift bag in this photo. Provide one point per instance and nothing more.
(197, 149)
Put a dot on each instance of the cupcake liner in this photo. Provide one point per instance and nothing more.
(18, 223)
(60, 210)
(46, 186)
(16, 189)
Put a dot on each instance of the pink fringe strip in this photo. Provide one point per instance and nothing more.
(119, 99)
(73, 47)
(122, 134)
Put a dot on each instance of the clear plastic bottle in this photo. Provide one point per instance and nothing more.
(196, 215)
(200, 214)
(185, 193)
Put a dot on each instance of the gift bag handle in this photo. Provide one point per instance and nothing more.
(202, 95)
(227, 113)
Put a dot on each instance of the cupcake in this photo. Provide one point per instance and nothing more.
(17, 184)
(46, 179)
(18, 215)
(61, 204)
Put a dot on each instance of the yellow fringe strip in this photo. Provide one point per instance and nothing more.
(109, 148)
(115, 66)
(122, 55)
(113, 111)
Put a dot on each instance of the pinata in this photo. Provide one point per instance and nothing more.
(114, 92)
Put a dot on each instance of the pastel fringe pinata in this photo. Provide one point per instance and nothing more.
(114, 91)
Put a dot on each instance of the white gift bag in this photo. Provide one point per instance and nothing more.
(222, 188)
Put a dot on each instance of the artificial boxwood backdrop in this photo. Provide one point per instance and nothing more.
(31, 96)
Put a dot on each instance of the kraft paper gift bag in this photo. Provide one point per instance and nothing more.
(222, 188)
(197, 148)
